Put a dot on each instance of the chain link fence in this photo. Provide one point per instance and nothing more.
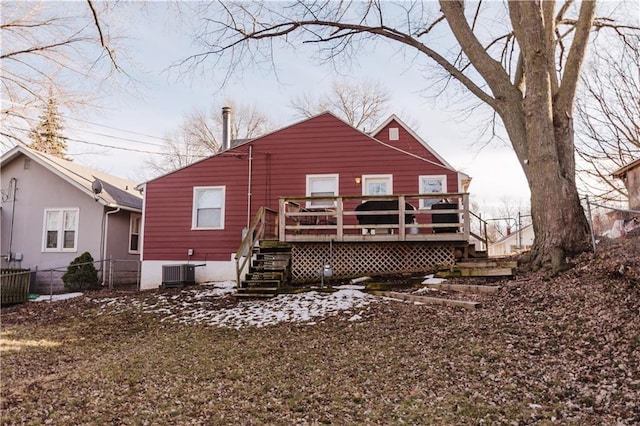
(113, 274)
(611, 222)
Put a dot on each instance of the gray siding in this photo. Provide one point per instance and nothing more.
(37, 190)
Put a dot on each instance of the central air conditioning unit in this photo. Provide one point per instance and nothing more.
(178, 275)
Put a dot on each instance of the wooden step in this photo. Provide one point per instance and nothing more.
(274, 247)
(426, 299)
(269, 257)
(270, 263)
(487, 264)
(475, 272)
(261, 276)
(252, 295)
(256, 292)
(256, 289)
(266, 269)
(464, 287)
(270, 283)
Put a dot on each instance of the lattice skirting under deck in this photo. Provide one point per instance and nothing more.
(350, 260)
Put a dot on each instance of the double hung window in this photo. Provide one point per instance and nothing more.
(60, 229)
(432, 184)
(134, 233)
(377, 184)
(208, 207)
(322, 186)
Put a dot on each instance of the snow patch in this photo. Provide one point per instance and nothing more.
(192, 306)
(56, 297)
(429, 279)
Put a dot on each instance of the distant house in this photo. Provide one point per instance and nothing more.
(630, 175)
(199, 214)
(53, 210)
(513, 243)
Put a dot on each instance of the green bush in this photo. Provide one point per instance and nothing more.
(81, 274)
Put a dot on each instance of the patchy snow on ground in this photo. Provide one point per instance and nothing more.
(56, 297)
(194, 306)
(429, 279)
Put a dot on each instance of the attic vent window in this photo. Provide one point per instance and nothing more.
(394, 134)
(27, 163)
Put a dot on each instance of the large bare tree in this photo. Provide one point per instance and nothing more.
(522, 59)
(63, 47)
(360, 103)
(200, 133)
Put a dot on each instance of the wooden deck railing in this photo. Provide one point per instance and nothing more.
(438, 217)
(264, 225)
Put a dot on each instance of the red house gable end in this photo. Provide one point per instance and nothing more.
(279, 163)
(407, 141)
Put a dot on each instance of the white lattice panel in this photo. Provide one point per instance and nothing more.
(351, 260)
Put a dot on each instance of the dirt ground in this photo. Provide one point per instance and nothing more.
(543, 350)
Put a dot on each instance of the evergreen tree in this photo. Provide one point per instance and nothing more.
(47, 135)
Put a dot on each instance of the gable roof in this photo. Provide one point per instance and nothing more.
(395, 118)
(624, 169)
(371, 136)
(116, 192)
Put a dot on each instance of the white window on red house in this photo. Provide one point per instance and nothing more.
(322, 186)
(431, 184)
(134, 233)
(208, 207)
(60, 230)
(377, 184)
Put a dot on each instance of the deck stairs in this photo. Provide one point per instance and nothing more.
(479, 267)
(269, 272)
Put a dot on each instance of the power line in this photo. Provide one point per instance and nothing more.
(115, 128)
(99, 144)
(102, 134)
(94, 124)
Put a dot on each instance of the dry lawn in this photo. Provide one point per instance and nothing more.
(563, 350)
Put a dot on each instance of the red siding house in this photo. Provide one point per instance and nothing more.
(197, 214)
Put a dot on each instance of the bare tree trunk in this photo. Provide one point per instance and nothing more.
(546, 149)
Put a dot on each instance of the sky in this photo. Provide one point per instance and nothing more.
(156, 97)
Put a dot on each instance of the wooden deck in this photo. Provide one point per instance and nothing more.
(328, 232)
(318, 219)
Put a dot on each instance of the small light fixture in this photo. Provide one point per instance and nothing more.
(357, 181)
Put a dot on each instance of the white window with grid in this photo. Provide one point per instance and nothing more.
(377, 184)
(60, 230)
(431, 184)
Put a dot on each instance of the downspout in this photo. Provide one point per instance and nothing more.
(105, 232)
(13, 182)
(249, 186)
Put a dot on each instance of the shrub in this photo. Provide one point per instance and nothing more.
(81, 273)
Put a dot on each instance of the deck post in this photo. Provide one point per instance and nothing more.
(339, 219)
(401, 212)
(467, 219)
(282, 219)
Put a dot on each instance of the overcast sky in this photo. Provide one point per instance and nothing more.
(157, 98)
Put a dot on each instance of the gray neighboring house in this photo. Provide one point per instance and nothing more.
(630, 175)
(53, 210)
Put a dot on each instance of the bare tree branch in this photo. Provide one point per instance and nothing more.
(103, 43)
